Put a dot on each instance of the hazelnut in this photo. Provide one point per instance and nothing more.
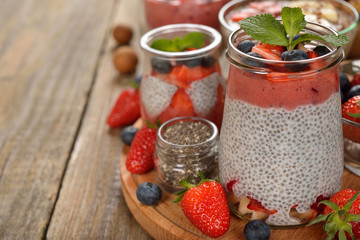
(122, 33)
(125, 59)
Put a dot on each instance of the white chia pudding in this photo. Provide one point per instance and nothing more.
(282, 158)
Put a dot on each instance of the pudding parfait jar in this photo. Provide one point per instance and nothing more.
(281, 143)
(182, 83)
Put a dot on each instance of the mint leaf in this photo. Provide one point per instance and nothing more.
(266, 29)
(166, 45)
(293, 20)
(306, 37)
(193, 40)
(355, 115)
(336, 41)
(177, 44)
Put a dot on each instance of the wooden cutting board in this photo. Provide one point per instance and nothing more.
(167, 221)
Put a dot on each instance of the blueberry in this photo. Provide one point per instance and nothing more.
(295, 55)
(208, 61)
(354, 91)
(252, 62)
(321, 50)
(284, 54)
(257, 230)
(344, 83)
(343, 98)
(191, 63)
(127, 135)
(161, 65)
(245, 46)
(148, 193)
(296, 37)
(138, 79)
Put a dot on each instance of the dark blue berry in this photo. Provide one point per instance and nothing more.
(148, 193)
(283, 54)
(127, 135)
(344, 83)
(321, 50)
(138, 79)
(257, 230)
(161, 65)
(191, 63)
(295, 37)
(343, 98)
(253, 62)
(295, 55)
(208, 61)
(354, 91)
(245, 46)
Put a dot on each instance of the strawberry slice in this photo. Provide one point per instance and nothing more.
(312, 54)
(266, 52)
(180, 105)
(257, 206)
(182, 75)
(274, 48)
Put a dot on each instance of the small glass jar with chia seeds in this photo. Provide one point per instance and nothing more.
(185, 146)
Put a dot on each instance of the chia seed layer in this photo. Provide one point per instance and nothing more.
(282, 157)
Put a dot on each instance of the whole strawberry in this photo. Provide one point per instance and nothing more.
(126, 109)
(141, 154)
(341, 215)
(351, 109)
(205, 206)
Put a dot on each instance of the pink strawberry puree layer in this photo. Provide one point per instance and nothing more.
(297, 91)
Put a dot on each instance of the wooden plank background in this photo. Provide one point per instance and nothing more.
(57, 85)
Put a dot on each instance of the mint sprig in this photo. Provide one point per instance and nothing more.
(190, 40)
(267, 29)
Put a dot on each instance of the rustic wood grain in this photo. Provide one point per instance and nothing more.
(166, 220)
(91, 203)
(48, 56)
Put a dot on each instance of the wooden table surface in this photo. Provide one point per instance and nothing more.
(59, 161)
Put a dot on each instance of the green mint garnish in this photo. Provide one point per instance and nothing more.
(267, 29)
(191, 40)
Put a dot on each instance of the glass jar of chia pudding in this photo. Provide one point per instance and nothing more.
(185, 146)
(281, 142)
(163, 12)
(186, 83)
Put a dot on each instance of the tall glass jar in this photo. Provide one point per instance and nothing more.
(163, 12)
(185, 146)
(187, 83)
(281, 143)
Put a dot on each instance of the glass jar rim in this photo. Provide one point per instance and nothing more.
(232, 3)
(209, 123)
(232, 51)
(148, 37)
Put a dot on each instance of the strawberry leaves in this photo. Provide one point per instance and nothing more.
(338, 221)
(267, 29)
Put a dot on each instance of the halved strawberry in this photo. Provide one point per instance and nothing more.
(180, 105)
(266, 52)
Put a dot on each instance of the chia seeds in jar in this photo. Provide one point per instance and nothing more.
(185, 146)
